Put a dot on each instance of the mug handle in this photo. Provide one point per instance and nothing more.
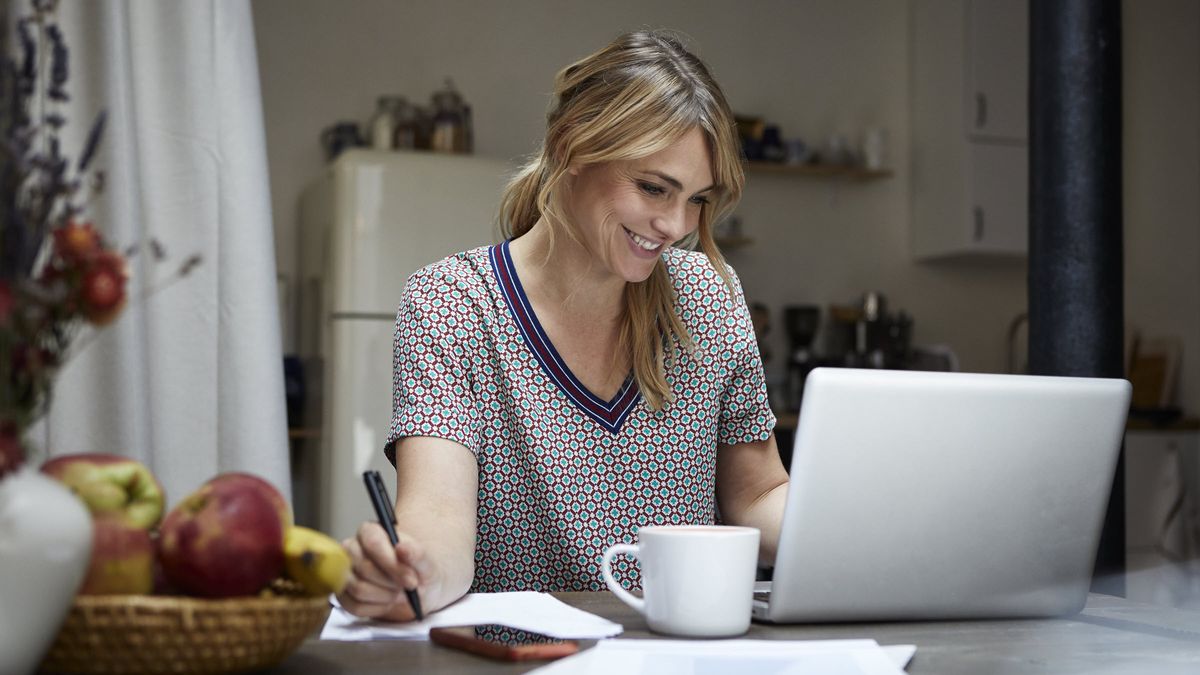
(618, 590)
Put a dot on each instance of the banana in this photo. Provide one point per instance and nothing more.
(315, 560)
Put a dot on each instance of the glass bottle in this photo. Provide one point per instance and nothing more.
(449, 123)
(423, 123)
(382, 128)
(407, 127)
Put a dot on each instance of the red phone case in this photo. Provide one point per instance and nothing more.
(463, 637)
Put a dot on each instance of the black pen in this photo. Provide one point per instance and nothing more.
(377, 491)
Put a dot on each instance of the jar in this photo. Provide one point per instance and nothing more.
(338, 137)
(382, 129)
(408, 129)
(449, 121)
(423, 123)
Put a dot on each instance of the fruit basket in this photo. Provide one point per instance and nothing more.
(175, 634)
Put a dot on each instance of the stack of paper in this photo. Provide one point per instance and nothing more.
(777, 657)
(526, 610)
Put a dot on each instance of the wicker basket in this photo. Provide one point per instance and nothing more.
(168, 634)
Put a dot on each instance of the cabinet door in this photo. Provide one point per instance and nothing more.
(997, 70)
(999, 205)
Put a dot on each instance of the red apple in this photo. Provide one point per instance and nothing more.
(111, 485)
(223, 540)
(122, 559)
(254, 482)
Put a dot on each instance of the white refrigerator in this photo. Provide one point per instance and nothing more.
(372, 219)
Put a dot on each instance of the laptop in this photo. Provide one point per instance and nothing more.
(935, 495)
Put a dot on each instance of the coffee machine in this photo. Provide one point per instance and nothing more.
(866, 335)
(801, 323)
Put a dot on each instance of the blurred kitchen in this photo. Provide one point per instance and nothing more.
(884, 218)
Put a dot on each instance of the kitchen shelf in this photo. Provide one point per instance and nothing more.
(853, 173)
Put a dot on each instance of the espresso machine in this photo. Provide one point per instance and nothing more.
(801, 323)
(866, 335)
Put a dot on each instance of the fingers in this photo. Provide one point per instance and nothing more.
(393, 610)
(380, 573)
(398, 564)
(418, 567)
(364, 567)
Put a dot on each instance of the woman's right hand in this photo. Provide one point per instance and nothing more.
(438, 483)
(380, 573)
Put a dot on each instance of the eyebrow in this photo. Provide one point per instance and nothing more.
(674, 182)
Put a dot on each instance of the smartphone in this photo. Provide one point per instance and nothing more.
(501, 642)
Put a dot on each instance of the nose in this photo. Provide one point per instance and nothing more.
(673, 223)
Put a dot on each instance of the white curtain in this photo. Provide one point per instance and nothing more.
(189, 379)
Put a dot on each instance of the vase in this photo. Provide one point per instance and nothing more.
(45, 546)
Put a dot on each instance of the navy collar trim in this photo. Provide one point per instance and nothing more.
(609, 414)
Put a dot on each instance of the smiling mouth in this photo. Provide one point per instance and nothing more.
(642, 242)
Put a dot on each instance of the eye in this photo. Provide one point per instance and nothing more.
(651, 189)
(699, 200)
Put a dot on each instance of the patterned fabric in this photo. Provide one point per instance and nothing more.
(562, 474)
(608, 414)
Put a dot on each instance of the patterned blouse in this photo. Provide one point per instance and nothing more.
(563, 474)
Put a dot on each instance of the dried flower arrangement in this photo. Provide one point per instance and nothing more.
(59, 277)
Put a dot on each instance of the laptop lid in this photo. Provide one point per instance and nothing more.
(932, 495)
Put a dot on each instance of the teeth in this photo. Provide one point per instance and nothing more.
(643, 243)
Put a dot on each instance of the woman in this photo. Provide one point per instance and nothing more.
(557, 391)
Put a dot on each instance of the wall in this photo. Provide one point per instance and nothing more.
(816, 67)
(1161, 79)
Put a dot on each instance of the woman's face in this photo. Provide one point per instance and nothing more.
(629, 211)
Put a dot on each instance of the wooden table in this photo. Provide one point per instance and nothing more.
(1110, 636)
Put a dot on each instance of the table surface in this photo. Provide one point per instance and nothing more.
(1111, 636)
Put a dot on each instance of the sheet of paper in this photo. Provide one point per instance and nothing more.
(526, 610)
(777, 657)
(899, 654)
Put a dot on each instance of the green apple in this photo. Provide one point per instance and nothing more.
(122, 559)
(111, 486)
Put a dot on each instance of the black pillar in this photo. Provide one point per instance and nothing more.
(1076, 288)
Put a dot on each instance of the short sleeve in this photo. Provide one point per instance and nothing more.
(432, 393)
(746, 414)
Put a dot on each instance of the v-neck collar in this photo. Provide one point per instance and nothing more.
(609, 414)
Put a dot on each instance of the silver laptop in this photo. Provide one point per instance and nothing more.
(921, 495)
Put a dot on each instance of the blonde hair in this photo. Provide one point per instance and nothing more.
(636, 96)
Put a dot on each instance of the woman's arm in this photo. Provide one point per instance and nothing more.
(752, 490)
(437, 488)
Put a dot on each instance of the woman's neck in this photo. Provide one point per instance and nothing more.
(567, 278)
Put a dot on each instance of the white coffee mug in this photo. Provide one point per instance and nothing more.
(697, 580)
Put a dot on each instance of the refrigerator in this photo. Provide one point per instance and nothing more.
(372, 219)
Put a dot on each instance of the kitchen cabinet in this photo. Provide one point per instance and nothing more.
(969, 128)
(997, 70)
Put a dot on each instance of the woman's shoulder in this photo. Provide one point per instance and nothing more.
(467, 270)
(459, 284)
(710, 306)
(694, 276)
